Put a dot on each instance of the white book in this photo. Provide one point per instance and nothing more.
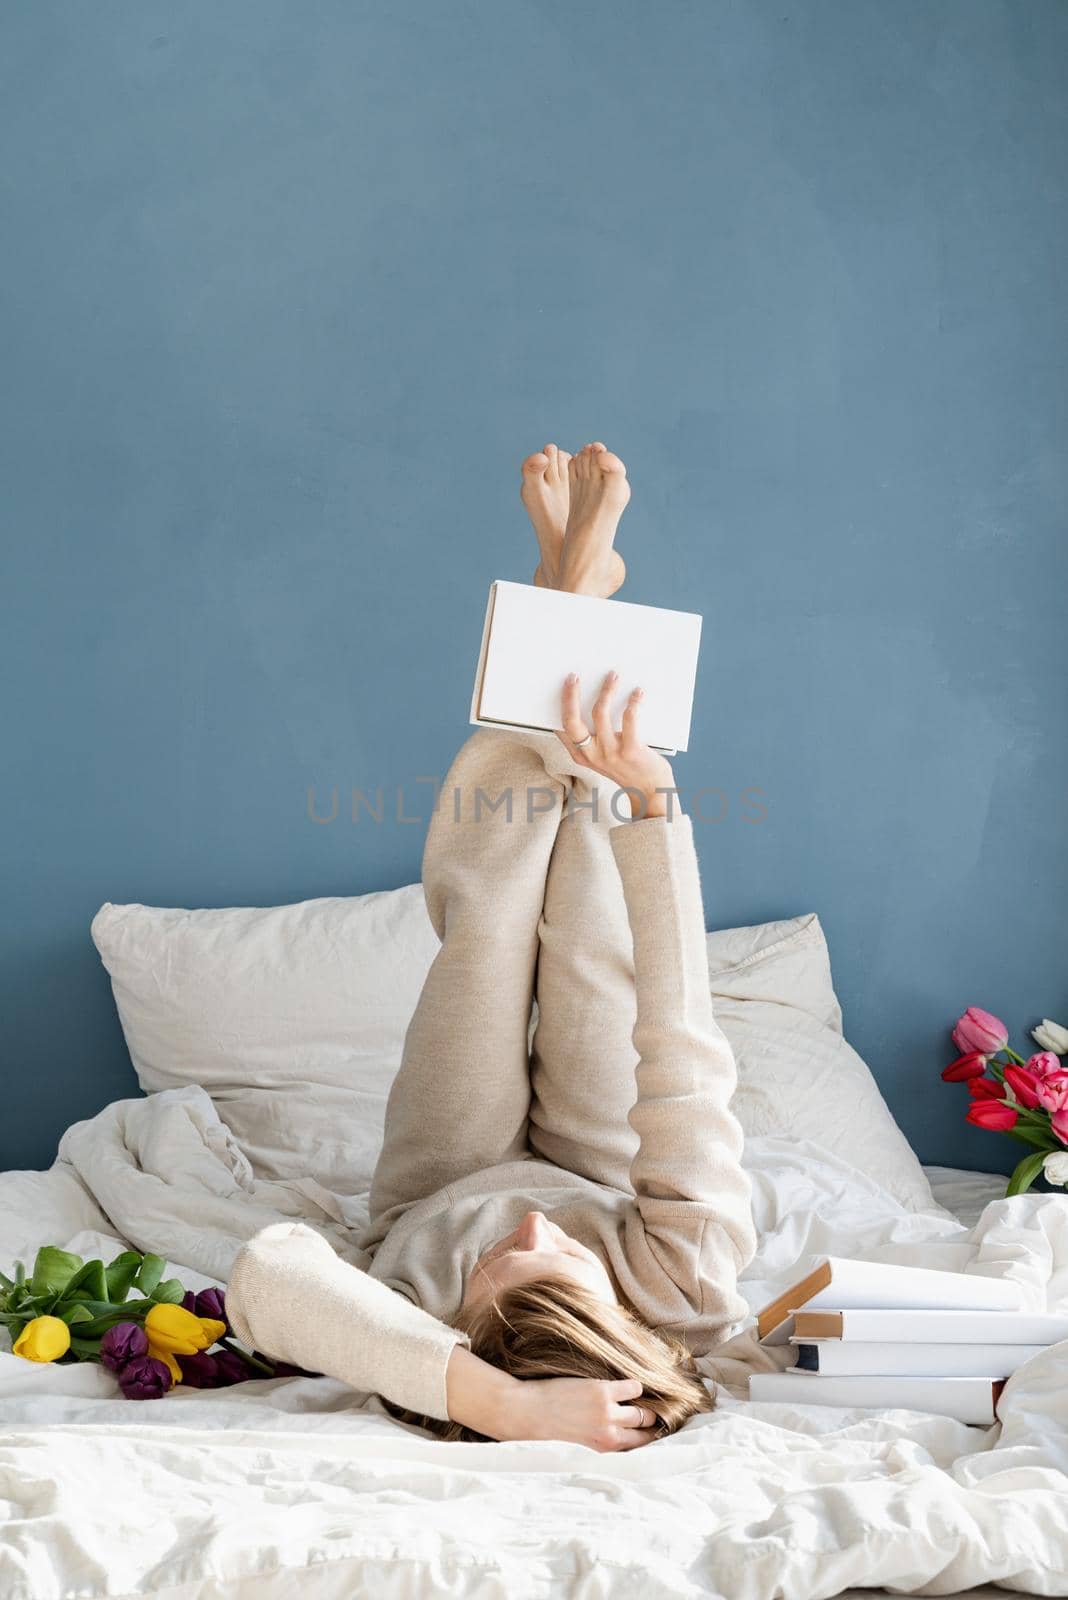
(844, 1284)
(534, 637)
(933, 1327)
(818, 1357)
(970, 1400)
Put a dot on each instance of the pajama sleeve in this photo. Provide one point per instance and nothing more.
(293, 1298)
(693, 1200)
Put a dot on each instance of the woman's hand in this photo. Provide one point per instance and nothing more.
(603, 1414)
(590, 1411)
(620, 756)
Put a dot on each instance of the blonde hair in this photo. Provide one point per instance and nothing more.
(557, 1328)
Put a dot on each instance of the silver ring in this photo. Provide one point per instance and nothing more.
(580, 744)
(643, 1422)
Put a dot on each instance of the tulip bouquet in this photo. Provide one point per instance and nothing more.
(74, 1310)
(1028, 1100)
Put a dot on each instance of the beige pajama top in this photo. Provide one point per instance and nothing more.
(616, 1123)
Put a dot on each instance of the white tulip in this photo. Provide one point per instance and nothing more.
(1051, 1036)
(1055, 1167)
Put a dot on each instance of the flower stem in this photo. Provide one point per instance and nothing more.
(249, 1360)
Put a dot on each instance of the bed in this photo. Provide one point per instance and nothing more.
(292, 1486)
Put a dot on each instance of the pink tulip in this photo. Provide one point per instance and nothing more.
(1023, 1085)
(986, 1089)
(1051, 1093)
(1059, 1124)
(1044, 1063)
(978, 1030)
(992, 1114)
(973, 1065)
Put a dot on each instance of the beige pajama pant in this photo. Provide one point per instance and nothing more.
(527, 898)
(525, 895)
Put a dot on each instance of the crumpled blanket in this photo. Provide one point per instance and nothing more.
(277, 1485)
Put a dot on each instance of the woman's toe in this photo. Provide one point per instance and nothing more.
(534, 466)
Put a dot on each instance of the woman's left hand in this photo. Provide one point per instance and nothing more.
(603, 1414)
(619, 754)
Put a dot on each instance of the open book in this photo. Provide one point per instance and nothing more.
(534, 637)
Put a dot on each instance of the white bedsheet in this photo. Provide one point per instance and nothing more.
(294, 1486)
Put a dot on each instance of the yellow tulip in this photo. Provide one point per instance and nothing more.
(174, 1331)
(168, 1361)
(43, 1339)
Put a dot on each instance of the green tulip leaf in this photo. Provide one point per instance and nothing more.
(85, 1349)
(20, 1274)
(95, 1308)
(98, 1326)
(1026, 1173)
(88, 1283)
(149, 1274)
(1032, 1137)
(132, 1311)
(53, 1270)
(171, 1292)
(75, 1313)
(37, 1305)
(121, 1273)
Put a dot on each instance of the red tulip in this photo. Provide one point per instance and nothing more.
(992, 1114)
(973, 1065)
(986, 1089)
(978, 1030)
(1059, 1124)
(1023, 1085)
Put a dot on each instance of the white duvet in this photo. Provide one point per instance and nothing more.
(274, 1489)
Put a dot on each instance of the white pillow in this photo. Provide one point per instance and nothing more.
(798, 1078)
(293, 1019)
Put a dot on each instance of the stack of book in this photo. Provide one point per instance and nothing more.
(865, 1334)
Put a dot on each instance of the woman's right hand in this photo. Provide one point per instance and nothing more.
(617, 754)
(602, 1413)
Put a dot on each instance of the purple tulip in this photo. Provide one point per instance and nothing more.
(199, 1371)
(144, 1378)
(231, 1368)
(208, 1303)
(215, 1371)
(121, 1344)
(212, 1303)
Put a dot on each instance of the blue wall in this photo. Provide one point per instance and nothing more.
(290, 291)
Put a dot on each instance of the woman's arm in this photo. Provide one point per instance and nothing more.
(692, 1195)
(687, 1170)
(587, 1411)
(293, 1298)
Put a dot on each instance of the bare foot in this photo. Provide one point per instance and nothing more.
(598, 498)
(545, 493)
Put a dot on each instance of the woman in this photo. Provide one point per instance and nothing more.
(557, 1223)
